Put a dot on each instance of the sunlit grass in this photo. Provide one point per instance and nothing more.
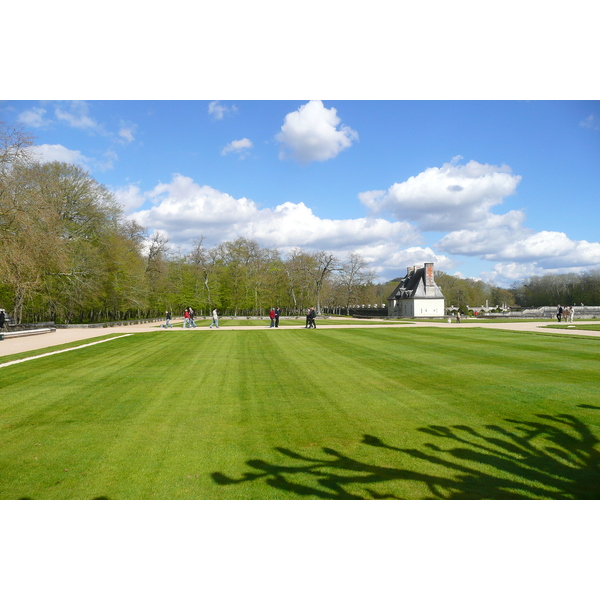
(576, 326)
(39, 351)
(359, 413)
(288, 322)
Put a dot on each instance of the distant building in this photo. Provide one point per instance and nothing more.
(417, 295)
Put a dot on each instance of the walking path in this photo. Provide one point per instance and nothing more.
(75, 334)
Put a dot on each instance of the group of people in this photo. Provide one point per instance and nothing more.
(274, 315)
(188, 318)
(311, 315)
(565, 314)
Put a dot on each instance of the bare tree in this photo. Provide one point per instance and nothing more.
(323, 265)
(206, 261)
(354, 274)
(15, 152)
(296, 271)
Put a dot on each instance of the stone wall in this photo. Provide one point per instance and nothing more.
(10, 326)
(549, 312)
(582, 313)
(110, 324)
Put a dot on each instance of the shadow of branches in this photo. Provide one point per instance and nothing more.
(551, 456)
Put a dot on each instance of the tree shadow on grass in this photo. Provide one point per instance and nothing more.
(554, 457)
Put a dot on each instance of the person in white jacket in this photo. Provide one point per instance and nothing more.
(215, 317)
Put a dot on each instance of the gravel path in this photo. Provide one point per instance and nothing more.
(65, 336)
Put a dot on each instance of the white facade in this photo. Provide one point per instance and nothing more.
(421, 307)
(417, 295)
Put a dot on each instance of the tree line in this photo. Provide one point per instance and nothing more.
(568, 289)
(68, 253)
(540, 290)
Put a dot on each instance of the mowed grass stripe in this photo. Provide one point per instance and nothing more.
(304, 414)
(459, 365)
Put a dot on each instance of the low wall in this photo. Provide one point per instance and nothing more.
(110, 324)
(583, 313)
(377, 313)
(50, 324)
(8, 327)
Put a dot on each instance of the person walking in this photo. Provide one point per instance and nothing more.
(2, 318)
(191, 311)
(559, 312)
(186, 318)
(307, 319)
(312, 317)
(215, 320)
(272, 317)
(168, 319)
(571, 313)
(277, 315)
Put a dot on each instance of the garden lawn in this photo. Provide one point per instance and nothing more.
(39, 351)
(298, 322)
(585, 326)
(341, 414)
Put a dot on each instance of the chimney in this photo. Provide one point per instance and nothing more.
(429, 275)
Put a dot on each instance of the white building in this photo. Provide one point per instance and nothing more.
(417, 295)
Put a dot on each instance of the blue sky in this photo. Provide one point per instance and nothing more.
(498, 190)
(454, 133)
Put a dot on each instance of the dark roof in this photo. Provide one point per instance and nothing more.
(413, 285)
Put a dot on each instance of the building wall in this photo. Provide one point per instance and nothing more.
(417, 307)
(429, 307)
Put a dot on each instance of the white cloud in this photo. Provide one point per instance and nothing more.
(492, 235)
(290, 225)
(185, 210)
(46, 153)
(130, 197)
(592, 122)
(238, 146)
(108, 162)
(311, 134)
(217, 110)
(126, 131)
(505, 274)
(551, 249)
(34, 117)
(446, 198)
(390, 260)
(56, 152)
(515, 244)
(77, 116)
(458, 199)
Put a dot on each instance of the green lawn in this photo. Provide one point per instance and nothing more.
(299, 322)
(342, 414)
(39, 351)
(586, 326)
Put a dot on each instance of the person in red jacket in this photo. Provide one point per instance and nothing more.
(272, 317)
